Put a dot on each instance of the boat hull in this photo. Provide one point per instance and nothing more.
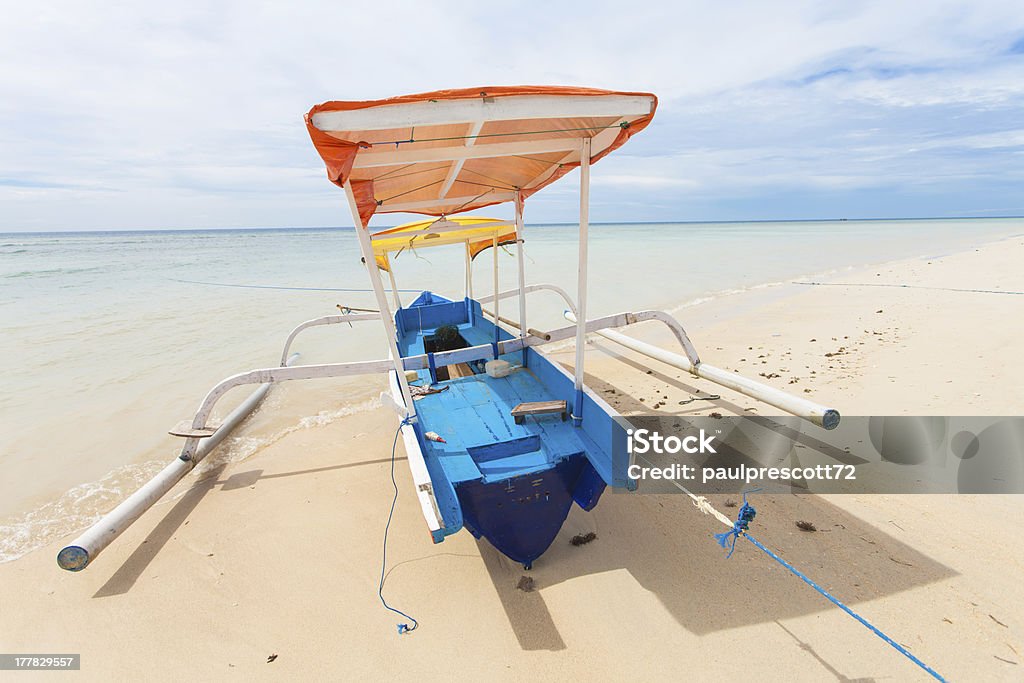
(507, 479)
(521, 516)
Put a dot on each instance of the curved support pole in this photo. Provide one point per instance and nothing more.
(267, 375)
(820, 415)
(326, 320)
(84, 549)
(533, 288)
(677, 330)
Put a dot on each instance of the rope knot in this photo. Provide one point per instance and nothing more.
(741, 525)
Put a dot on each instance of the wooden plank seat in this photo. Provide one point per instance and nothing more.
(459, 370)
(520, 412)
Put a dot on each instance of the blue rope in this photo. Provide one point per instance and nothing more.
(402, 628)
(740, 528)
(742, 523)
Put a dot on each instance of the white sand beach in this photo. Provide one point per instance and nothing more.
(280, 554)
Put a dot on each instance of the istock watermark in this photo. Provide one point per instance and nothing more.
(743, 473)
(645, 441)
(877, 454)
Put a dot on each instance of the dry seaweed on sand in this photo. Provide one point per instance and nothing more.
(583, 539)
(525, 584)
(806, 526)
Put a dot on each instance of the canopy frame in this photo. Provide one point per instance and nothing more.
(581, 280)
(521, 267)
(426, 153)
(449, 151)
(390, 332)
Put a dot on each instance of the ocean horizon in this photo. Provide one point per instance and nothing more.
(376, 226)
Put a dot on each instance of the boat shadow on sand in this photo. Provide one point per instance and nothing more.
(131, 569)
(128, 573)
(667, 547)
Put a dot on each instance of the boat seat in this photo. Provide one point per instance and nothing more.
(456, 370)
(520, 412)
(508, 448)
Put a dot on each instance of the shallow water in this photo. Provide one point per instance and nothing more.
(109, 340)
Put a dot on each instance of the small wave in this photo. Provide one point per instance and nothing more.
(77, 509)
(82, 505)
(750, 288)
(558, 346)
(720, 294)
(51, 272)
(240, 447)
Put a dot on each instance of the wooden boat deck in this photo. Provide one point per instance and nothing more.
(474, 415)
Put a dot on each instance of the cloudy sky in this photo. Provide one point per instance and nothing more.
(189, 115)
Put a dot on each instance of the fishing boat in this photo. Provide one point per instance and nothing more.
(501, 440)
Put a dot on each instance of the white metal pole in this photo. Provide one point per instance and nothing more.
(84, 549)
(394, 285)
(823, 416)
(469, 271)
(382, 302)
(581, 280)
(522, 271)
(494, 246)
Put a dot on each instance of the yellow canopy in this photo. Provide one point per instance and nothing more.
(478, 232)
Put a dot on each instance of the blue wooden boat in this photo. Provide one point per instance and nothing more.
(507, 480)
(511, 453)
(500, 440)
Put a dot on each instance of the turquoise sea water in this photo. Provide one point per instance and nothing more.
(108, 341)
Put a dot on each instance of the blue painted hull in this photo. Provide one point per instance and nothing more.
(511, 483)
(521, 516)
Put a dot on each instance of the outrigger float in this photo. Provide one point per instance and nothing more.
(502, 440)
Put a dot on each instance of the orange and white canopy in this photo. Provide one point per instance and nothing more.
(444, 152)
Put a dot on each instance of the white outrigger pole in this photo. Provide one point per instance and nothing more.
(820, 415)
(83, 549)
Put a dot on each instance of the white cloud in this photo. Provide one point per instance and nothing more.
(190, 114)
(643, 181)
